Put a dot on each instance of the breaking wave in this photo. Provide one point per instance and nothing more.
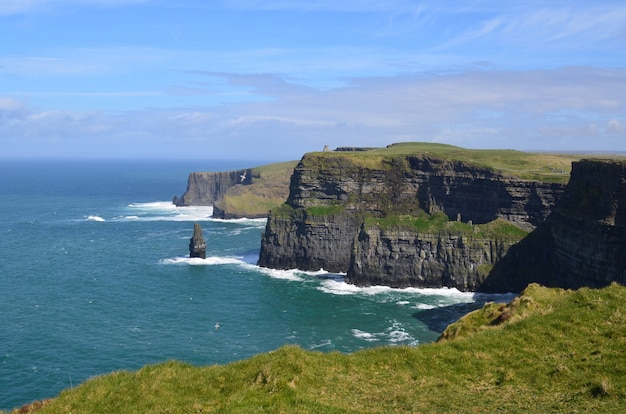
(209, 261)
(394, 334)
(165, 211)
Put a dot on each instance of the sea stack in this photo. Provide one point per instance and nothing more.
(197, 245)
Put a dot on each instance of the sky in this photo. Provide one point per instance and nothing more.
(273, 79)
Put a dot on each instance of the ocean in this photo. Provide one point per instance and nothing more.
(95, 277)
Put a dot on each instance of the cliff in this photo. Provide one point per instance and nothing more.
(205, 188)
(582, 243)
(453, 254)
(326, 220)
(247, 193)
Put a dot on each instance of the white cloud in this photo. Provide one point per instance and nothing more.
(616, 127)
(552, 110)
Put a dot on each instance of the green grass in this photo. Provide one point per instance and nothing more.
(269, 190)
(322, 211)
(439, 222)
(555, 351)
(547, 167)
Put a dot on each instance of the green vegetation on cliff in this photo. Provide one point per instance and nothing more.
(269, 188)
(435, 223)
(546, 167)
(550, 350)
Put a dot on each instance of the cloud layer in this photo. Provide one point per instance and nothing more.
(278, 78)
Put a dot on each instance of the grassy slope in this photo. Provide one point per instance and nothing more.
(555, 351)
(268, 191)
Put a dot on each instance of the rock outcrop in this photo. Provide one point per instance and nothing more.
(206, 188)
(249, 193)
(197, 245)
(323, 223)
(403, 257)
(582, 243)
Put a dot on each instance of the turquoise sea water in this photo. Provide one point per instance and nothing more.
(94, 277)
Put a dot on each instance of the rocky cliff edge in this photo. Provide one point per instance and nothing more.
(332, 219)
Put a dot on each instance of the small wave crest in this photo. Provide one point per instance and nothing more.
(293, 274)
(253, 223)
(394, 334)
(165, 211)
(197, 261)
(340, 287)
(95, 218)
(280, 274)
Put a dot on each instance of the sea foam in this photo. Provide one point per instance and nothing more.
(166, 211)
(393, 334)
(197, 261)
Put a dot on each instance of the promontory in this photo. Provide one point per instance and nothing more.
(432, 215)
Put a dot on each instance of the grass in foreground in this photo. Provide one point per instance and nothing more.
(555, 351)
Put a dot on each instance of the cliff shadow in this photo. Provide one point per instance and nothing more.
(526, 262)
(438, 319)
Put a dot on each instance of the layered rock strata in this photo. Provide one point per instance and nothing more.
(322, 223)
(206, 188)
(583, 242)
(197, 245)
(403, 258)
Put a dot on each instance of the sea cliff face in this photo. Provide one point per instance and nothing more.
(582, 243)
(323, 222)
(250, 192)
(205, 188)
(404, 258)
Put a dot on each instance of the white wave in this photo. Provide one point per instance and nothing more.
(255, 223)
(95, 218)
(369, 337)
(166, 211)
(323, 344)
(424, 306)
(338, 287)
(393, 334)
(280, 274)
(197, 261)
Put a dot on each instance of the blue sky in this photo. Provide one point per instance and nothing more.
(273, 79)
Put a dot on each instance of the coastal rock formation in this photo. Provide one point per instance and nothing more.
(404, 257)
(583, 242)
(197, 245)
(205, 188)
(249, 193)
(333, 195)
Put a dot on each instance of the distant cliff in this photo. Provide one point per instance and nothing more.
(583, 242)
(205, 188)
(250, 192)
(332, 219)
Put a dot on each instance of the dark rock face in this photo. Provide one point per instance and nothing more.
(583, 242)
(402, 259)
(206, 188)
(320, 226)
(303, 241)
(197, 245)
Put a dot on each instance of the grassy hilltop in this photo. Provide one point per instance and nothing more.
(550, 350)
(270, 185)
(539, 166)
(269, 189)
